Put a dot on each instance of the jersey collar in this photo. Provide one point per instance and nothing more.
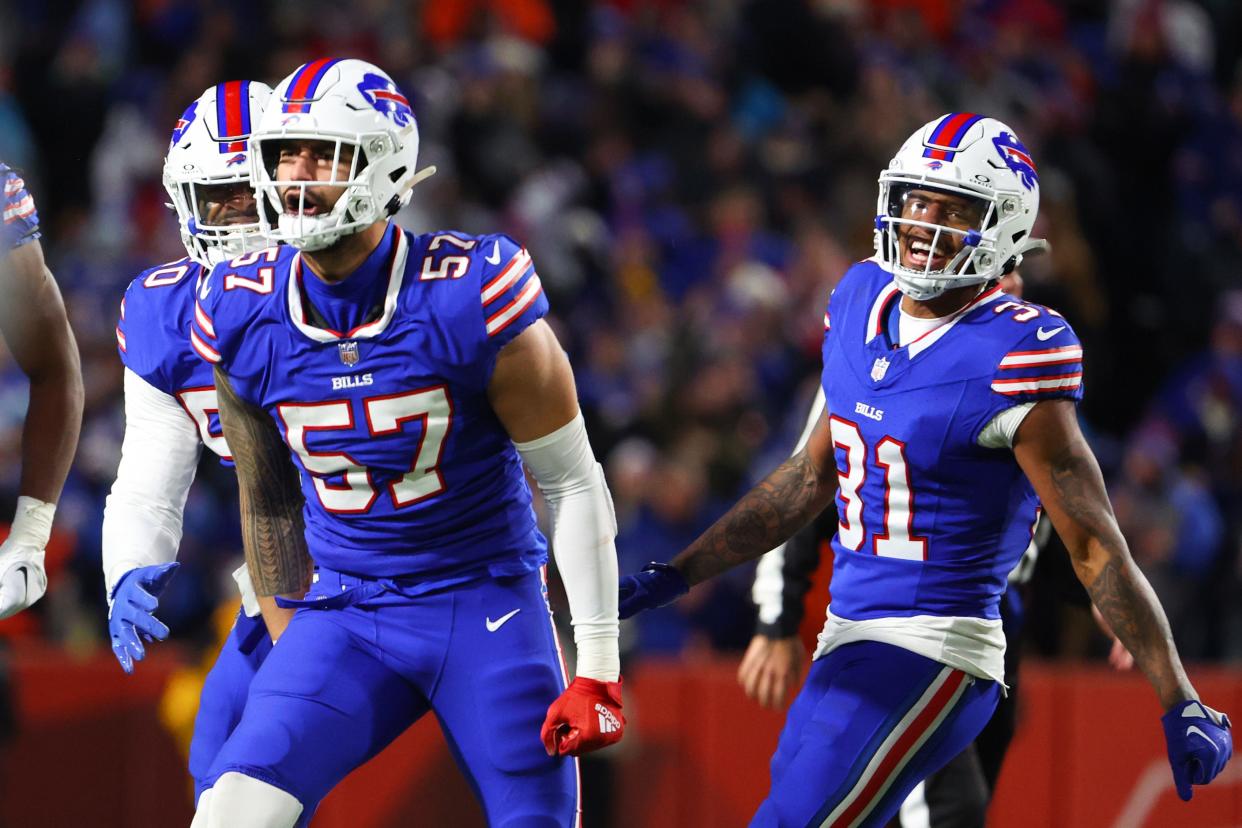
(882, 304)
(395, 277)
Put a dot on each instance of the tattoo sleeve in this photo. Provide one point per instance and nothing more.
(1116, 584)
(767, 515)
(273, 533)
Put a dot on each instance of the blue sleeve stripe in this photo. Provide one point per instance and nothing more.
(513, 271)
(1036, 385)
(504, 317)
(204, 321)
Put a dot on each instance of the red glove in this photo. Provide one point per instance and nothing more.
(586, 717)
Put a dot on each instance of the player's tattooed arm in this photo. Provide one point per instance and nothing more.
(273, 533)
(1060, 465)
(769, 514)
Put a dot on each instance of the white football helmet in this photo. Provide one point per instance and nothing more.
(353, 104)
(972, 157)
(209, 147)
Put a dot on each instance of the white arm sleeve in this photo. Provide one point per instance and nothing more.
(998, 433)
(583, 529)
(768, 590)
(159, 455)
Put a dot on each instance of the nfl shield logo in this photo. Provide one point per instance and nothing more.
(349, 352)
(878, 369)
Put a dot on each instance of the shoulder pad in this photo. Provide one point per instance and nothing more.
(1042, 356)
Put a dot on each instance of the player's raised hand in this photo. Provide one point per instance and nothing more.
(1199, 744)
(656, 585)
(22, 579)
(586, 717)
(770, 669)
(131, 617)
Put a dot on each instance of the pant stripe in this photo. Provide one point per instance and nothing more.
(560, 654)
(896, 751)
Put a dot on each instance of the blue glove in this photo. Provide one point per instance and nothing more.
(133, 601)
(1199, 744)
(658, 584)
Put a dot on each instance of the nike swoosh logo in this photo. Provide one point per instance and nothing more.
(495, 257)
(1194, 730)
(492, 626)
(1043, 335)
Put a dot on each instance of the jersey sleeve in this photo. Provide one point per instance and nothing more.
(510, 292)
(21, 219)
(148, 336)
(1044, 363)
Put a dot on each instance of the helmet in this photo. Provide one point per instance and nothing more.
(971, 157)
(356, 105)
(208, 147)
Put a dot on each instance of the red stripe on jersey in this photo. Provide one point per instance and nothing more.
(204, 350)
(1023, 380)
(1060, 350)
(1039, 363)
(515, 268)
(505, 317)
(204, 321)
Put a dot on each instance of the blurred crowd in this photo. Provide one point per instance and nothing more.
(692, 178)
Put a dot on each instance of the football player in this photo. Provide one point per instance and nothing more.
(36, 330)
(411, 376)
(950, 417)
(170, 406)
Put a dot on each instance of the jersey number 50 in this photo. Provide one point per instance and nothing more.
(385, 415)
(897, 540)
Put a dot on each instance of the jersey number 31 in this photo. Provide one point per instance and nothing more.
(897, 540)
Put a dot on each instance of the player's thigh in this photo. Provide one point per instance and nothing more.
(881, 719)
(493, 695)
(321, 705)
(222, 700)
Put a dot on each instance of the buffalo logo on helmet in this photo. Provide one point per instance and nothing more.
(384, 96)
(1016, 158)
(240, 158)
(183, 123)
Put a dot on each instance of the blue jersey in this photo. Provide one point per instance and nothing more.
(931, 521)
(405, 468)
(21, 219)
(153, 339)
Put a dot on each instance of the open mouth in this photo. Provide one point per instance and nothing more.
(920, 255)
(232, 217)
(309, 205)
